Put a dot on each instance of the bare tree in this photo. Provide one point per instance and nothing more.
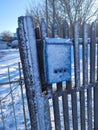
(71, 10)
(6, 35)
(76, 10)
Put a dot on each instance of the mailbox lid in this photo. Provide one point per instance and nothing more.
(57, 59)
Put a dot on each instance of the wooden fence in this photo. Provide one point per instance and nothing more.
(70, 105)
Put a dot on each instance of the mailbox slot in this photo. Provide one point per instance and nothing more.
(57, 60)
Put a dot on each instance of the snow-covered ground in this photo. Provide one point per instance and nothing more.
(10, 58)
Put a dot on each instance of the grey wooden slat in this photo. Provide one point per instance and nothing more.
(97, 62)
(85, 55)
(74, 110)
(28, 54)
(82, 109)
(43, 29)
(44, 34)
(55, 95)
(93, 39)
(96, 107)
(92, 75)
(47, 114)
(66, 35)
(76, 56)
(97, 46)
(65, 110)
(89, 108)
(92, 53)
(65, 29)
(40, 57)
(77, 77)
(55, 29)
(85, 76)
(68, 85)
(56, 111)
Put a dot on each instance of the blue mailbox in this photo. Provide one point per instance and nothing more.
(57, 59)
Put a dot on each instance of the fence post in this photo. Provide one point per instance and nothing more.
(28, 53)
(44, 34)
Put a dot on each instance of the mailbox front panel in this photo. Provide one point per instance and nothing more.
(57, 60)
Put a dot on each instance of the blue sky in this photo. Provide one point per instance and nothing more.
(10, 10)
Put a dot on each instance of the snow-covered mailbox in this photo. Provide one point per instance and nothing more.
(57, 60)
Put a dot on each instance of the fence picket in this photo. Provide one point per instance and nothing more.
(92, 76)
(68, 85)
(47, 114)
(65, 110)
(85, 55)
(44, 34)
(89, 107)
(55, 29)
(76, 56)
(74, 110)
(85, 76)
(56, 111)
(43, 29)
(65, 29)
(92, 79)
(92, 53)
(77, 77)
(55, 95)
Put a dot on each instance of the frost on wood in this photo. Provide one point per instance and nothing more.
(43, 29)
(76, 56)
(30, 68)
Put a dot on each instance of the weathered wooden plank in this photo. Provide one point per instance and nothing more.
(65, 110)
(89, 108)
(96, 107)
(48, 88)
(55, 95)
(65, 29)
(92, 75)
(40, 57)
(85, 76)
(97, 62)
(92, 72)
(76, 56)
(55, 35)
(68, 85)
(85, 55)
(43, 29)
(82, 109)
(77, 77)
(74, 110)
(28, 52)
(55, 29)
(56, 111)
(66, 35)
(92, 53)
(47, 114)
